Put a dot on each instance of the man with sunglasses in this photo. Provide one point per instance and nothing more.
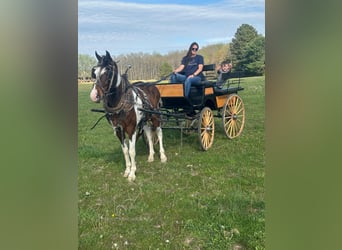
(190, 70)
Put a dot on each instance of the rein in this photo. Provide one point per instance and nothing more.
(98, 121)
(162, 79)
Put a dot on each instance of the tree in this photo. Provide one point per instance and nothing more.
(85, 64)
(215, 53)
(255, 56)
(165, 69)
(248, 51)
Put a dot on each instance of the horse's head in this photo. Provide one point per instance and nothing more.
(106, 77)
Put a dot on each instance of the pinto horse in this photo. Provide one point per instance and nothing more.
(123, 103)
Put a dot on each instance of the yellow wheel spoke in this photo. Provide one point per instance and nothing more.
(206, 129)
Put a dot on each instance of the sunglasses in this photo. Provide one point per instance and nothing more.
(195, 49)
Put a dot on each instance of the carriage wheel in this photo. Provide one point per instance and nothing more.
(206, 128)
(233, 117)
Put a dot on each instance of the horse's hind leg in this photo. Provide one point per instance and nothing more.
(148, 133)
(159, 132)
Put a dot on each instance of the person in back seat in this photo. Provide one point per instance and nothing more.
(223, 73)
(190, 70)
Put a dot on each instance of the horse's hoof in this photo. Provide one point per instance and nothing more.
(163, 159)
(131, 178)
(126, 174)
(150, 159)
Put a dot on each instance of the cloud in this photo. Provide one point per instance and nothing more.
(125, 27)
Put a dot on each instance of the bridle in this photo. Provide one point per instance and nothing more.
(98, 83)
(125, 101)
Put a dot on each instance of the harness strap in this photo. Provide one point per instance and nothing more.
(142, 95)
(126, 101)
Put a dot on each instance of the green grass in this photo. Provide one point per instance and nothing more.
(197, 200)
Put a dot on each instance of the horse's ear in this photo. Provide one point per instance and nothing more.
(108, 55)
(97, 56)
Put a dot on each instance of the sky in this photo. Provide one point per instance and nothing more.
(162, 26)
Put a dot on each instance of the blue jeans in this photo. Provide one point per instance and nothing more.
(179, 78)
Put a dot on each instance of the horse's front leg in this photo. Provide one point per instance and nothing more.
(131, 151)
(148, 133)
(159, 132)
(120, 134)
(125, 151)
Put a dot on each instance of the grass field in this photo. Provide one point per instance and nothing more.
(197, 200)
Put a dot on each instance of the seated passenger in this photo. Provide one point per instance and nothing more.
(223, 73)
(189, 71)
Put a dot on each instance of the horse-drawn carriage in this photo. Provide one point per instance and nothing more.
(196, 113)
(146, 108)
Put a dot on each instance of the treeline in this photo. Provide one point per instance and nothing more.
(146, 66)
(246, 51)
(155, 66)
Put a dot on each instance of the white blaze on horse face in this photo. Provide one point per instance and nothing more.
(103, 71)
(94, 95)
(97, 72)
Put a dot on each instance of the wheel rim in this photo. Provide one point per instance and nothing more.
(206, 128)
(233, 116)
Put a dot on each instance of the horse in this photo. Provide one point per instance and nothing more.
(125, 106)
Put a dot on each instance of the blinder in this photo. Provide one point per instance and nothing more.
(93, 76)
